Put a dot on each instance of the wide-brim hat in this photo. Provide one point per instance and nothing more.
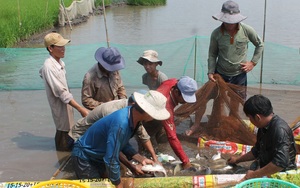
(55, 39)
(188, 88)
(153, 103)
(110, 58)
(151, 56)
(230, 13)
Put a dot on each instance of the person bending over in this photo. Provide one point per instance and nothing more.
(275, 149)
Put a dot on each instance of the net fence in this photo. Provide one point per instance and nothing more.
(19, 66)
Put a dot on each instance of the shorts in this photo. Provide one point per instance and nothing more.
(240, 80)
(63, 142)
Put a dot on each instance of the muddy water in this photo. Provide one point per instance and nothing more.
(182, 19)
(27, 132)
(27, 129)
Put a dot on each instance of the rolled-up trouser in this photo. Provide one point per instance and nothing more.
(88, 170)
(63, 142)
(156, 132)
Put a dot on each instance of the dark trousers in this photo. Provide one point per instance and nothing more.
(87, 169)
(63, 142)
(240, 80)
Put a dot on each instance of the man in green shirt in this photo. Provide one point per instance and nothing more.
(229, 46)
(227, 54)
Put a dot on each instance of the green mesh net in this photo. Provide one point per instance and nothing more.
(19, 67)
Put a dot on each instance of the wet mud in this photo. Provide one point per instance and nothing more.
(204, 161)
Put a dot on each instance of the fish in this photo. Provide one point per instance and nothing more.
(195, 170)
(165, 158)
(217, 164)
(157, 169)
(223, 170)
(216, 156)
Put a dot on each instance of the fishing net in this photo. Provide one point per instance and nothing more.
(19, 69)
(77, 8)
(225, 121)
(188, 56)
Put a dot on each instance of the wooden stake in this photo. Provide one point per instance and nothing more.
(20, 23)
(61, 167)
(63, 4)
(104, 15)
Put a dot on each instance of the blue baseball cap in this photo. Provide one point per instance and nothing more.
(188, 88)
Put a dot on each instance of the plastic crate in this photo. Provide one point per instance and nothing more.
(265, 183)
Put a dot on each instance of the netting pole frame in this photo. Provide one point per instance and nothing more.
(195, 59)
(104, 16)
(69, 21)
(262, 56)
(19, 12)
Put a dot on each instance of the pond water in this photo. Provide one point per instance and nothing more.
(181, 19)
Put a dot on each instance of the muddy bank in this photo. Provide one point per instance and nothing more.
(37, 40)
(205, 161)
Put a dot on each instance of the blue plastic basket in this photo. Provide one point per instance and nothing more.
(265, 183)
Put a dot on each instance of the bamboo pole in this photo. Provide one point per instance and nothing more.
(195, 59)
(47, 4)
(264, 31)
(19, 12)
(104, 16)
(63, 4)
(61, 167)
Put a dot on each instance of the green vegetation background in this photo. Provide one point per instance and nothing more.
(20, 19)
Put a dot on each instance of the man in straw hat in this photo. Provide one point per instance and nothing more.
(228, 49)
(103, 83)
(153, 77)
(59, 96)
(105, 109)
(96, 153)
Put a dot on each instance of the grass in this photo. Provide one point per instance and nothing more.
(20, 19)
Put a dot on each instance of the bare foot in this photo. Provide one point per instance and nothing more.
(192, 130)
(188, 132)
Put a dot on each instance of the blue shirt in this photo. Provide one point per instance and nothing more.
(104, 140)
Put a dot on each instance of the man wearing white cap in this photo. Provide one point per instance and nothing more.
(96, 153)
(59, 96)
(103, 83)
